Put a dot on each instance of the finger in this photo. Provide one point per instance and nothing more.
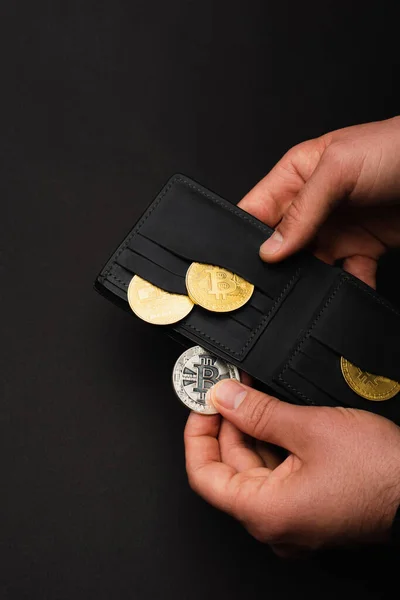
(261, 416)
(271, 455)
(362, 267)
(310, 208)
(208, 476)
(344, 236)
(201, 440)
(218, 483)
(268, 200)
(236, 449)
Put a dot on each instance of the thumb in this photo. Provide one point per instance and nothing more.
(261, 416)
(312, 205)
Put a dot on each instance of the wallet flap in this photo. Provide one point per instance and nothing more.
(361, 326)
(353, 322)
(315, 375)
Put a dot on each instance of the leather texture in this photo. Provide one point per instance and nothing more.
(303, 315)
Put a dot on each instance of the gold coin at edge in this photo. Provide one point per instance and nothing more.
(217, 289)
(156, 306)
(371, 387)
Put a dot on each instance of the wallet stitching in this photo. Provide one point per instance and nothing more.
(126, 285)
(261, 227)
(344, 279)
(377, 299)
(112, 276)
(305, 337)
(308, 400)
(212, 339)
(230, 208)
(227, 206)
(153, 262)
(259, 326)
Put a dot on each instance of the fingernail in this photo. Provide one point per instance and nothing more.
(272, 245)
(229, 394)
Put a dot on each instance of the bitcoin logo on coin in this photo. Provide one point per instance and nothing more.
(217, 289)
(195, 372)
(156, 306)
(222, 283)
(371, 387)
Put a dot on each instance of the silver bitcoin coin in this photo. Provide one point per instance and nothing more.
(195, 372)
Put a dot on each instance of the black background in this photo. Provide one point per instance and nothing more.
(101, 101)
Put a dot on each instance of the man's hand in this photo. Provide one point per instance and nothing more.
(355, 171)
(339, 483)
(341, 479)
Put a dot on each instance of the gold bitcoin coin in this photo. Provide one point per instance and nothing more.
(217, 289)
(371, 387)
(156, 306)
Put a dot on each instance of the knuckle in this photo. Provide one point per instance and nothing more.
(336, 153)
(297, 217)
(303, 148)
(343, 162)
(304, 157)
(296, 211)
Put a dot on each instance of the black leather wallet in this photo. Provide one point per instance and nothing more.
(303, 316)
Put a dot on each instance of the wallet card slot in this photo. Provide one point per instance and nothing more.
(247, 316)
(311, 393)
(356, 323)
(160, 256)
(173, 263)
(324, 372)
(201, 252)
(316, 349)
(219, 329)
(120, 276)
(361, 326)
(236, 329)
(209, 323)
(260, 301)
(321, 367)
(116, 292)
(201, 227)
(340, 328)
(152, 272)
